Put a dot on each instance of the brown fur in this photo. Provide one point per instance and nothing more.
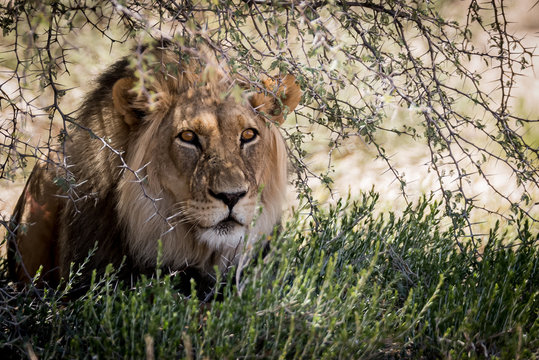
(169, 190)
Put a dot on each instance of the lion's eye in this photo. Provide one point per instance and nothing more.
(188, 136)
(248, 135)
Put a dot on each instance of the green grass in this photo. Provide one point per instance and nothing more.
(351, 286)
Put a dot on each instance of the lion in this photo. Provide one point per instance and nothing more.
(166, 156)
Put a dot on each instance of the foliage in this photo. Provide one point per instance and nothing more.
(365, 286)
(359, 64)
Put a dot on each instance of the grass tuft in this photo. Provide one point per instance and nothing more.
(363, 286)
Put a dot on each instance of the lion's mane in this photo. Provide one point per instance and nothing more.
(121, 173)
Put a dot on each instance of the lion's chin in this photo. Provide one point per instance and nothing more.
(226, 234)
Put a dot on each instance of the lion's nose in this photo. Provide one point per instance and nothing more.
(230, 199)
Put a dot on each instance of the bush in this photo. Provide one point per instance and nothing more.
(361, 286)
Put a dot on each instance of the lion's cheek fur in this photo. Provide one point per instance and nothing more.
(143, 207)
(145, 223)
(273, 180)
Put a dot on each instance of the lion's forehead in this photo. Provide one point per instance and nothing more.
(214, 120)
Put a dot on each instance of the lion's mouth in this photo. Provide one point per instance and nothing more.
(227, 225)
(228, 233)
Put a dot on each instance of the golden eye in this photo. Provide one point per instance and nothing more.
(188, 136)
(248, 135)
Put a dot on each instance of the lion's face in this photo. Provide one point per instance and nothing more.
(211, 164)
(207, 171)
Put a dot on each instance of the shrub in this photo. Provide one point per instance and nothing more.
(361, 286)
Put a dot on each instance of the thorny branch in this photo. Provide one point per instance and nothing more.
(355, 60)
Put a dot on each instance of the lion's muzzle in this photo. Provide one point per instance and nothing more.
(229, 198)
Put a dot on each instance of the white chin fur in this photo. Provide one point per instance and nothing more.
(227, 241)
(234, 239)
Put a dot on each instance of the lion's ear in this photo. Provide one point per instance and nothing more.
(123, 99)
(288, 93)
